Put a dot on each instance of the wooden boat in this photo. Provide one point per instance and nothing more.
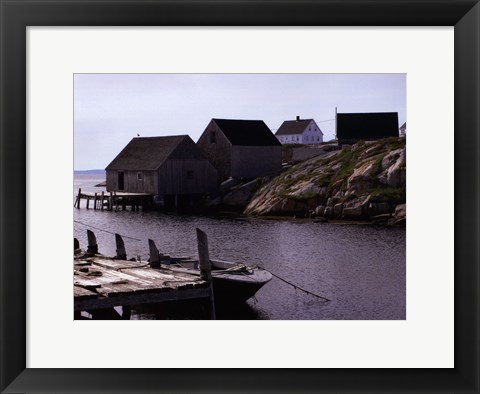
(232, 282)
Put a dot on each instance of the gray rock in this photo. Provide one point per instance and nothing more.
(399, 217)
(379, 208)
(361, 176)
(353, 213)
(381, 218)
(395, 174)
(228, 184)
(337, 210)
(328, 212)
(214, 202)
(241, 195)
(319, 211)
(400, 211)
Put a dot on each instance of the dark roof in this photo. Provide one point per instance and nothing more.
(146, 153)
(247, 132)
(374, 125)
(293, 127)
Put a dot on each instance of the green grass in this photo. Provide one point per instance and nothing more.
(301, 197)
(395, 195)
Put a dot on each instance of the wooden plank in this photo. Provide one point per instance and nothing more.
(163, 278)
(80, 292)
(104, 283)
(118, 264)
(141, 298)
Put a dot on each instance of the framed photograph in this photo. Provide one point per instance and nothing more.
(73, 71)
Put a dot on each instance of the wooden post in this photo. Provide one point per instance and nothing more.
(76, 246)
(205, 267)
(95, 202)
(121, 252)
(110, 201)
(77, 202)
(103, 199)
(154, 254)
(126, 312)
(88, 201)
(92, 242)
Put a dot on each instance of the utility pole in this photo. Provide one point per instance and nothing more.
(336, 123)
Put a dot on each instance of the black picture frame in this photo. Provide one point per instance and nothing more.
(16, 15)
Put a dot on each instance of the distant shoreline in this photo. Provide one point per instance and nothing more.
(97, 171)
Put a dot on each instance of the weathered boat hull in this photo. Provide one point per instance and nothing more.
(227, 290)
(232, 282)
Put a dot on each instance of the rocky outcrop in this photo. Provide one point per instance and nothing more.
(235, 193)
(399, 217)
(363, 181)
(240, 195)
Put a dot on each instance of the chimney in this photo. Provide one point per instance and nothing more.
(298, 118)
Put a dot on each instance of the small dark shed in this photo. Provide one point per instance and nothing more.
(354, 127)
(163, 166)
(241, 148)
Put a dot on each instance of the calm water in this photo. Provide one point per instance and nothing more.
(360, 268)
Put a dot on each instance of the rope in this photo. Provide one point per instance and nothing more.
(298, 287)
(105, 231)
(233, 269)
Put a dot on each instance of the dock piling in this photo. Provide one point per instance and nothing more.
(103, 199)
(92, 242)
(77, 201)
(121, 252)
(205, 267)
(76, 246)
(154, 254)
(95, 202)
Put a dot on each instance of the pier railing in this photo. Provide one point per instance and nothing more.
(113, 201)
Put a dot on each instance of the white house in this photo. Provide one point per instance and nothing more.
(403, 130)
(299, 131)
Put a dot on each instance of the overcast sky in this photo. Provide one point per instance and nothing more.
(110, 109)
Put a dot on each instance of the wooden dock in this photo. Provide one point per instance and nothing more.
(102, 283)
(114, 201)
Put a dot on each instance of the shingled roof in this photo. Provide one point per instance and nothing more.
(293, 127)
(146, 153)
(247, 132)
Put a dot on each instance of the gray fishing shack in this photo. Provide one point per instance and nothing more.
(241, 148)
(164, 166)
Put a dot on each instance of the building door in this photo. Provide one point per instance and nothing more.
(121, 180)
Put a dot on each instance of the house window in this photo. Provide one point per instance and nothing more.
(213, 138)
(139, 176)
(190, 174)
